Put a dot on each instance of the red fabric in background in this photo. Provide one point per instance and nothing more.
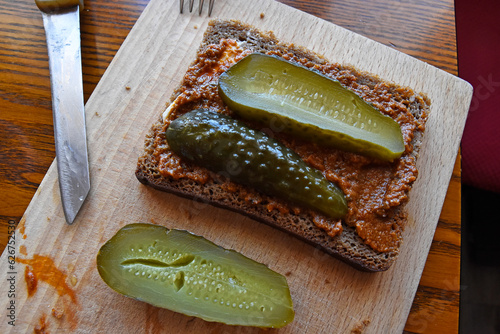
(478, 45)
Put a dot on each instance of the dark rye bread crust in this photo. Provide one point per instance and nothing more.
(347, 246)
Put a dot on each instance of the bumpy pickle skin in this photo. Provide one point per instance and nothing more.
(188, 274)
(227, 146)
(310, 105)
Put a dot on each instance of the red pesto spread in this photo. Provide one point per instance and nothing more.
(373, 188)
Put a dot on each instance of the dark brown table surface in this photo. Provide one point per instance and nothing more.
(422, 29)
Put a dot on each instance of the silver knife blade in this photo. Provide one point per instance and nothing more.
(62, 30)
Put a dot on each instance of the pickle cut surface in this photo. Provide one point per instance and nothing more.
(297, 100)
(185, 273)
(228, 147)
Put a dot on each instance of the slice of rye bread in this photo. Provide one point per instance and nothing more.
(348, 246)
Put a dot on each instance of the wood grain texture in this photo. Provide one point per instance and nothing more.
(424, 30)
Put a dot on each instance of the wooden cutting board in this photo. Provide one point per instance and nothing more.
(329, 296)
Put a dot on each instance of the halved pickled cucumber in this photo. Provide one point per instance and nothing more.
(185, 273)
(295, 99)
(227, 146)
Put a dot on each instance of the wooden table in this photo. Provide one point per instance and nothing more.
(424, 30)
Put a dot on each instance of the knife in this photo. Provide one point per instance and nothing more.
(61, 19)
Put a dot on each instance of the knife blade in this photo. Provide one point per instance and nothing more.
(61, 19)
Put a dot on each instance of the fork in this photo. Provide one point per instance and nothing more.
(191, 2)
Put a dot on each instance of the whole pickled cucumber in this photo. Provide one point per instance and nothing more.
(308, 104)
(225, 145)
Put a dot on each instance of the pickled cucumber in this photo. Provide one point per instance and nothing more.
(188, 274)
(227, 146)
(297, 100)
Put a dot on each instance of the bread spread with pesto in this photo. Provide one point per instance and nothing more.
(369, 234)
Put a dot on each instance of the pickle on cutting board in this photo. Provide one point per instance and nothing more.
(186, 273)
(225, 145)
(310, 105)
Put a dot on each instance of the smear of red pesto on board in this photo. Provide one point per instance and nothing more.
(22, 250)
(31, 281)
(41, 327)
(373, 188)
(42, 268)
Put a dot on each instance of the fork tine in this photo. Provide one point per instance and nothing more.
(200, 7)
(191, 3)
(210, 7)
